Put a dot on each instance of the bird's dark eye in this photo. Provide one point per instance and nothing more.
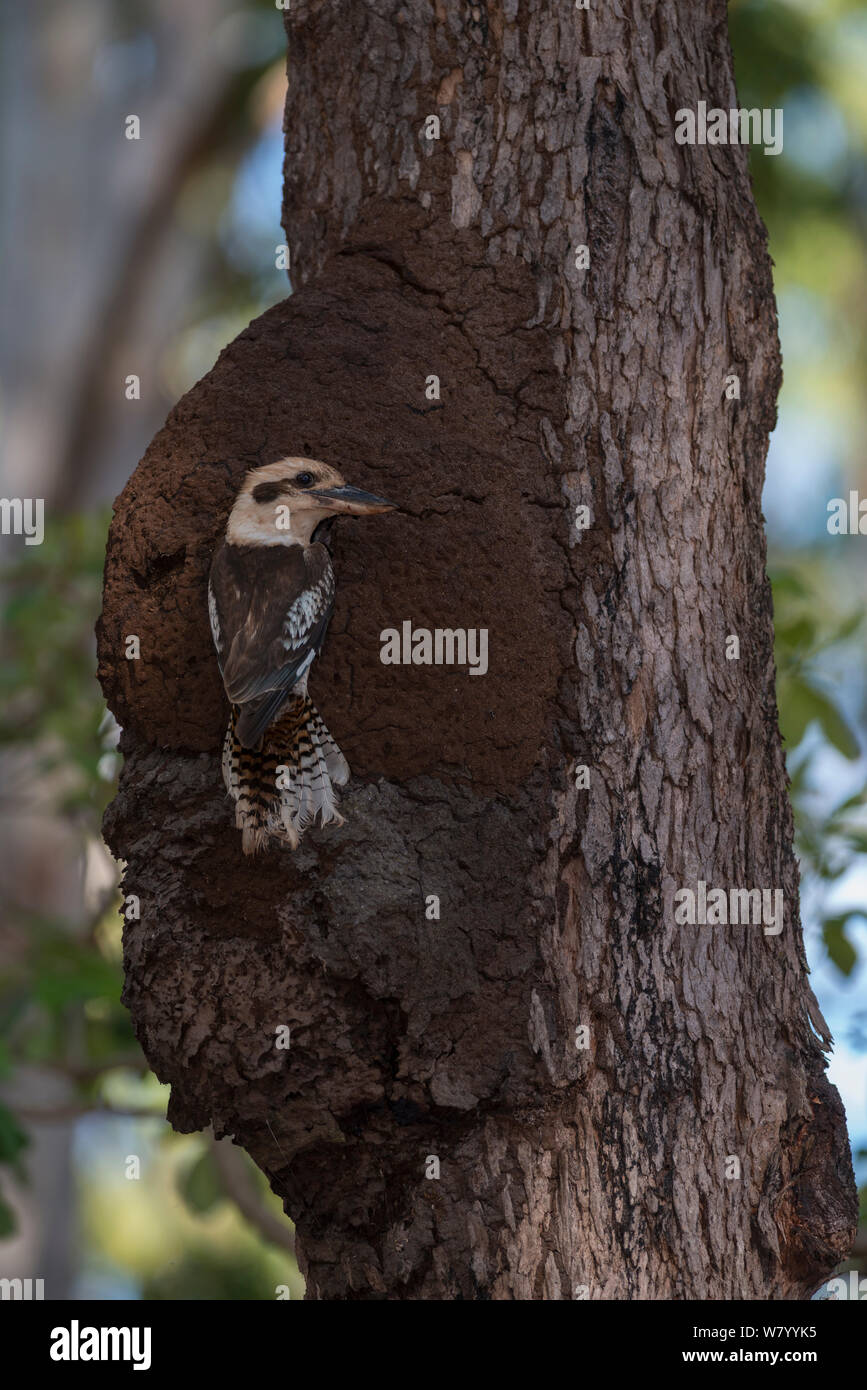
(303, 479)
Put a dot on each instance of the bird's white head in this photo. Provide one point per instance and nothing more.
(283, 503)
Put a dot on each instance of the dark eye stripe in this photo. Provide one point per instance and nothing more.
(267, 492)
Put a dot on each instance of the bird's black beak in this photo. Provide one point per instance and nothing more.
(353, 500)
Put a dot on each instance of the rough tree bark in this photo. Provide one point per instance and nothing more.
(561, 1170)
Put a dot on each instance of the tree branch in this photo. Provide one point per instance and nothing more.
(237, 1179)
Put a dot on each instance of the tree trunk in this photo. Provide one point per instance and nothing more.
(602, 1171)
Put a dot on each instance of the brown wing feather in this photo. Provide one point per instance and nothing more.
(271, 606)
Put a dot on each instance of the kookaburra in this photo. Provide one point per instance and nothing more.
(270, 597)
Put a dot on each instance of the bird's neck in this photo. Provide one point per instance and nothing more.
(252, 524)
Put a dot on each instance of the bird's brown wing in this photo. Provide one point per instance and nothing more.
(270, 607)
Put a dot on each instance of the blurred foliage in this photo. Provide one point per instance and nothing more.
(13, 1141)
(230, 207)
(59, 985)
(49, 699)
(814, 638)
(182, 1236)
(61, 979)
(809, 58)
(201, 1274)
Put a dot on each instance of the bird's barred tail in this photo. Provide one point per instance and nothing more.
(281, 787)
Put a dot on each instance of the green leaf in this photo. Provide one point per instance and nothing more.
(13, 1140)
(800, 704)
(851, 802)
(788, 583)
(796, 633)
(8, 1223)
(837, 944)
(200, 1186)
(848, 627)
(836, 730)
